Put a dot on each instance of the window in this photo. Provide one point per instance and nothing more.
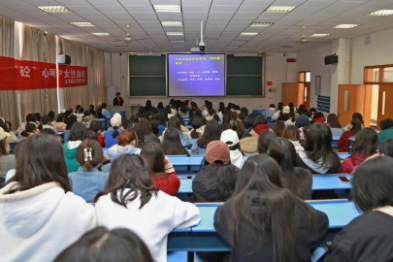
(388, 74)
(378, 74)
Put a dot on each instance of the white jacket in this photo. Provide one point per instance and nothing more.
(39, 223)
(152, 223)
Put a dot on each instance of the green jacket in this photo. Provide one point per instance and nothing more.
(69, 157)
(385, 134)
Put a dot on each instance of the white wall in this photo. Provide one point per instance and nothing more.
(313, 60)
(278, 71)
(379, 52)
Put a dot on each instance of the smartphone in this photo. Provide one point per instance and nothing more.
(343, 179)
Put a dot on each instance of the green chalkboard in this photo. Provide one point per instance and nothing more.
(147, 75)
(244, 76)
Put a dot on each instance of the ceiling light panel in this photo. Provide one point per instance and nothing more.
(280, 9)
(172, 23)
(319, 35)
(82, 24)
(383, 12)
(248, 34)
(54, 9)
(167, 8)
(261, 24)
(345, 26)
(174, 33)
(100, 34)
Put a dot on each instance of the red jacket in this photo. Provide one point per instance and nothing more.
(261, 128)
(349, 164)
(169, 184)
(343, 141)
(101, 140)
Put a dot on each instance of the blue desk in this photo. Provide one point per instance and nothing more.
(335, 141)
(103, 122)
(258, 112)
(329, 182)
(185, 186)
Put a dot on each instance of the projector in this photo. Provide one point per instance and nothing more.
(196, 50)
(199, 48)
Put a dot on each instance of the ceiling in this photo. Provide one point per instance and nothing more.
(224, 21)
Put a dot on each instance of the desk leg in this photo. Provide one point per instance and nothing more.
(190, 256)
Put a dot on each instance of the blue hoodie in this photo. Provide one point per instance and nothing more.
(117, 151)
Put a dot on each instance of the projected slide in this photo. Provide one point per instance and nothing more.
(196, 74)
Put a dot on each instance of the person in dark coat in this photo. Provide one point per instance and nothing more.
(118, 101)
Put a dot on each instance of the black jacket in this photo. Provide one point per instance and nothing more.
(248, 248)
(115, 101)
(205, 188)
(367, 238)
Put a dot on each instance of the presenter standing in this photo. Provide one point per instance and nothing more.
(118, 101)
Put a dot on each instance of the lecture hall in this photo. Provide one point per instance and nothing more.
(196, 130)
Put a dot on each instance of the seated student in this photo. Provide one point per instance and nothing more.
(205, 111)
(368, 237)
(318, 155)
(141, 137)
(40, 216)
(104, 111)
(239, 128)
(297, 179)
(386, 147)
(284, 116)
(270, 111)
(17, 153)
(60, 125)
(30, 118)
(175, 124)
(87, 118)
(386, 132)
(71, 121)
(78, 133)
(87, 181)
(263, 221)
(103, 245)
(343, 142)
(31, 129)
(148, 131)
(51, 115)
(311, 114)
(319, 118)
(300, 123)
(99, 113)
(111, 136)
(7, 161)
(79, 114)
(196, 131)
(182, 124)
(11, 137)
(291, 120)
(278, 128)
(292, 134)
(127, 144)
(131, 201)
(277, 114)
(212, 132)
(47, 123)
(260, 125)
(230, 138)
(160, 169)
(211, 113)
(264, 140)
(171, 143)
(334, 124)
(163, 119)
(354, 116)
(96, 127)
(92, 111)
(365, 145)
(221, 111)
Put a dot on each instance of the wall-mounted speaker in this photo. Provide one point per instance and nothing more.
(331, 59)
(64, 59)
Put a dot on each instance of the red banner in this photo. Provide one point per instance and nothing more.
(25, 75)
(70, 76)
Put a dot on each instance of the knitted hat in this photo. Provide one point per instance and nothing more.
(217, 151)
(116, 120)
(230, 137)
(3, 134)
(286, 110)
(302, 120)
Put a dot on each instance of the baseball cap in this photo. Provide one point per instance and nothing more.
(302, 120)
(116, 120)
(230, 137)
(286, 110)
(217, 151)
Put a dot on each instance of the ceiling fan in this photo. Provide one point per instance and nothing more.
(303, 40)
(128, 38)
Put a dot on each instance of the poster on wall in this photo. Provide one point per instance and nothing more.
(317, 85)
(70, 76)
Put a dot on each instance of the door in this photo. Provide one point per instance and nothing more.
(306, 96)
(290, 93)
(350, 100)
(385, 105)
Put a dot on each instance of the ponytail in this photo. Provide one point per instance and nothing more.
(116, 133)
(194, 134)
(88, 157)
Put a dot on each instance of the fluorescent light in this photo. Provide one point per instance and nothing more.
(82, 24)
(54, 9)
(172, 23)
(177, 41)
(345, 26)
(167, 8)
(100, 34)
(174, 33)
(382, 12)
(261, 24)
(319, 35)
(280, 9)
(248, 34)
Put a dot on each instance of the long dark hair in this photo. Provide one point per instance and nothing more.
(128, 173)
(172, 144)
(97, 154)
(137, 129)
(358, 116)
(366, 142)
(278, 128)
(386, 147)
(196, 123)
(319, 145)
(174, 122)
(283, 151)
(154, 158)
(333, 122)
(264, 140)
(42, 161)
(212, 132)
(78, 132)
(145, 126)
(71, 121)
(260, 183)
(101, 245)
(356, 126)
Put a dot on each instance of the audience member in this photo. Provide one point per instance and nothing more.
(343, 142)
(278, 128)
(8, 134)
(196, 131)
(264, 140)
(334, 124)
(127, 144)
(71, 121)
(160, 169)
(60, 125)
(260, 125)
(386, 147)
(96, 126)
(212, 132)
(131, 201)
(175, 123)
(104, 111)
(171, 143)
(355, 116)
(40, 216)
(7, 161)
(87, 117)
(92, 111)
(284, 116)
(30, 129)
(47, 123)
(78, 133)
(147, 131)
(386, 132)
(17, 154)
(270, 111)
(292, 134)
(230, 138)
